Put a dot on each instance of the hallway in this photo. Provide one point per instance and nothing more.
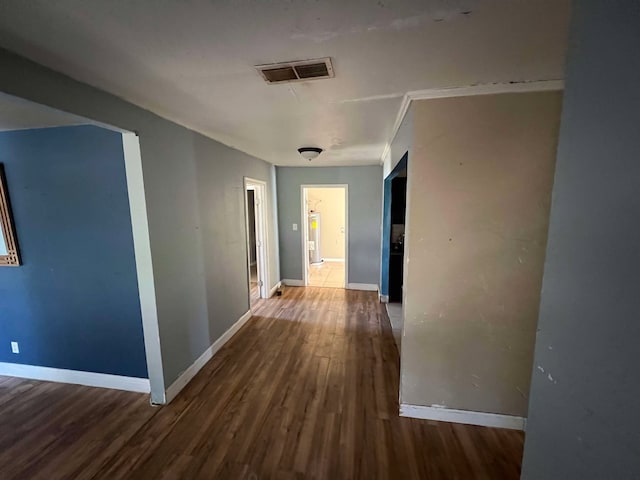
(307, 389)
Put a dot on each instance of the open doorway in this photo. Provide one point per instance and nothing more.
(396, 246)
(325, 235)
(84, 240)
(255, 194)
(393, 251)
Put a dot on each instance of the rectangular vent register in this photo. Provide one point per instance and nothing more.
(297, 71)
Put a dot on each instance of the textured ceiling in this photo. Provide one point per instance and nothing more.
(192, 61)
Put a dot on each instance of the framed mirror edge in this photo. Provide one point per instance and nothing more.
(7, 227)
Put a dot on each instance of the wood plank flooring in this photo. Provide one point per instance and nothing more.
(306, 390)
(254, 290)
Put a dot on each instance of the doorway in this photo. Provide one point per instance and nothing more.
(255, 214)
(396, 245)
(393, 245)
(325, 235)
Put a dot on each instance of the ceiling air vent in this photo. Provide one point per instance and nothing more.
(297, 71)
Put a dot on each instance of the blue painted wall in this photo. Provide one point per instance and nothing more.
(74, 302)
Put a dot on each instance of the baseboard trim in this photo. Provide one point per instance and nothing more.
(339, 260)
(384, 298)
(76, 377)
(369, 287)
(185, 377)
(292, 283)
(275, 288)
(468, 417)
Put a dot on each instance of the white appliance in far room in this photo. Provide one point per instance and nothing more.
(313, 244)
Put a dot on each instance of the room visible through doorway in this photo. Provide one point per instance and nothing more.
(393, 254)
(256, 240)
(325, 235)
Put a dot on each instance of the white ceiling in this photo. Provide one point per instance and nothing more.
(18, 114)
(192, 61)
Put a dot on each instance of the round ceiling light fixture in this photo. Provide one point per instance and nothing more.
(309, 153)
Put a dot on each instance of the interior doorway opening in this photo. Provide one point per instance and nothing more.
(67, 143)
(255, 214)
(396, 239)
(393, 245)
(325, 235)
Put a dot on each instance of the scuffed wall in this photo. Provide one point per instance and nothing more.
(479, 187)
(583, 421)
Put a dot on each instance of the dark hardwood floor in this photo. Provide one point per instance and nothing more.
(308, 389)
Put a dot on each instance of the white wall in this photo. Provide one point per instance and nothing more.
(330, 203)
(479, 190)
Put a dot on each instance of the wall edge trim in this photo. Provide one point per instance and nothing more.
(488, 89)
(145, 275)
(469, 90)
(185, 377)
(274, 289)
(463, 416)
(75, 377)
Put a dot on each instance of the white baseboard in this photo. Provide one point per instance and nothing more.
(334, 260)
(369, 287)
(292, 283)
(90, 379)
(444, 414)
(186, 376)
(384, 298)
(272, 292)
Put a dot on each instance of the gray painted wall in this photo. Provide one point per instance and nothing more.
(583, 414)
(365, 200)
(478, 198)
(195, 206)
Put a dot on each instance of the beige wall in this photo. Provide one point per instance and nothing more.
(480, 179)
(330, 203)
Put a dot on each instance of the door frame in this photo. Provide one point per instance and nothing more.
(386, 225)
(305, 228)
(259, 188)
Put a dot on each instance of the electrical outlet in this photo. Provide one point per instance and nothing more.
(295, 227)
(14, 347)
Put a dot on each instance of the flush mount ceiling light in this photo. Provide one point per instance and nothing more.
(309, 153)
